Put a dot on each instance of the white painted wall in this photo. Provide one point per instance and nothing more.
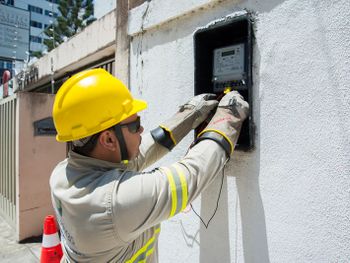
(289, 199)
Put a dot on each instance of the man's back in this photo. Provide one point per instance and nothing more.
(83, 190)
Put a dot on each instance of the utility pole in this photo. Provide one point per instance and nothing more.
(122, 53)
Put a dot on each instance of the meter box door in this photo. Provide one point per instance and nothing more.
(223, 59)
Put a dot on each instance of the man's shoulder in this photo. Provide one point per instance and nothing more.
(58, 171)
(61, 166)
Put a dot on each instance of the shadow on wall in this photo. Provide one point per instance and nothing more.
(215, 240)
(254, 238)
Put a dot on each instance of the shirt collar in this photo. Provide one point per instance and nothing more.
(81, 161)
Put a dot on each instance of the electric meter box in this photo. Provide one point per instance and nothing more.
(223, 59)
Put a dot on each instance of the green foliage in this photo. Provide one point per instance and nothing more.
(36, 54)
(75, 16)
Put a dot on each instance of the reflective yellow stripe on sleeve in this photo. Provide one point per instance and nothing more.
(141, 255)
(178, 188)
(183, 187)
(172, 190)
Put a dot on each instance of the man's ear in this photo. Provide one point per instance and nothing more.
(108, 140)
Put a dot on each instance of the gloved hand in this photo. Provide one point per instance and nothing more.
(226, 123)
(189, 116)
(201, 106)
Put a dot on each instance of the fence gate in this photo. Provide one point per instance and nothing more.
(8, 159)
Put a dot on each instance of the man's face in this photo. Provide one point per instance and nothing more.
(132, 135)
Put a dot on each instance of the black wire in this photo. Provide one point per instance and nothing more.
(217, 202)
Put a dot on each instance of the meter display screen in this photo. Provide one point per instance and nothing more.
(229, 63)
(228, 53)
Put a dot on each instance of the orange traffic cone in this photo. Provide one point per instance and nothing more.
(51, 251)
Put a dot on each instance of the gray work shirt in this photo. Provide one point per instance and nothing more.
(110, 212)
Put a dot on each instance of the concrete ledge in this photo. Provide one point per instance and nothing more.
(157, 12)
(95, 42)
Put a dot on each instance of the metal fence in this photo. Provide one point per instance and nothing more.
(108, 65)
(8, 159)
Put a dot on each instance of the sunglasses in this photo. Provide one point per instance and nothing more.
(133, 126)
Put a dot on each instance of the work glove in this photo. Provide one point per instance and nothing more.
(189, 116)
(226, 123)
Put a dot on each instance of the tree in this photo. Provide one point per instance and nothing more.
(74, 16)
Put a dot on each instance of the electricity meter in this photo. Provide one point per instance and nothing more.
(228, 68)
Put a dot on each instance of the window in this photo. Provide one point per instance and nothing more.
(8, 2)
(35, 39)
(53, 1)
(6, 64)
(49, 13)
(36, 24)
(35, 9)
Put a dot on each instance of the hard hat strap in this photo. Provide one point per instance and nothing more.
(122, 144)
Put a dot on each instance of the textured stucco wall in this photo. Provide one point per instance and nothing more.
(37, 156)
(289, 199)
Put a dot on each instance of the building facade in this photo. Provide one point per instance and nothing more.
(41, 14)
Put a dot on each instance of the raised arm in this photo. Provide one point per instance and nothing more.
(167, 135)
(144, 200)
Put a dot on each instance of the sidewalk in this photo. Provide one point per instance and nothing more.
(12, 252)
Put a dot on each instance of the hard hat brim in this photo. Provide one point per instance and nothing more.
(137, 106)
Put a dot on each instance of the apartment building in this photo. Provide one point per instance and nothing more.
(42, 14)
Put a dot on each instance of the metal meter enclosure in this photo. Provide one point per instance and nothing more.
(223, 59)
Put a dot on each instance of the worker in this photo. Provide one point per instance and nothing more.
(108, 206)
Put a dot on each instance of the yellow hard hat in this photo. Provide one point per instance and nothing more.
(89, 102)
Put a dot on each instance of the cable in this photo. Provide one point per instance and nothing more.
(217, 202)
